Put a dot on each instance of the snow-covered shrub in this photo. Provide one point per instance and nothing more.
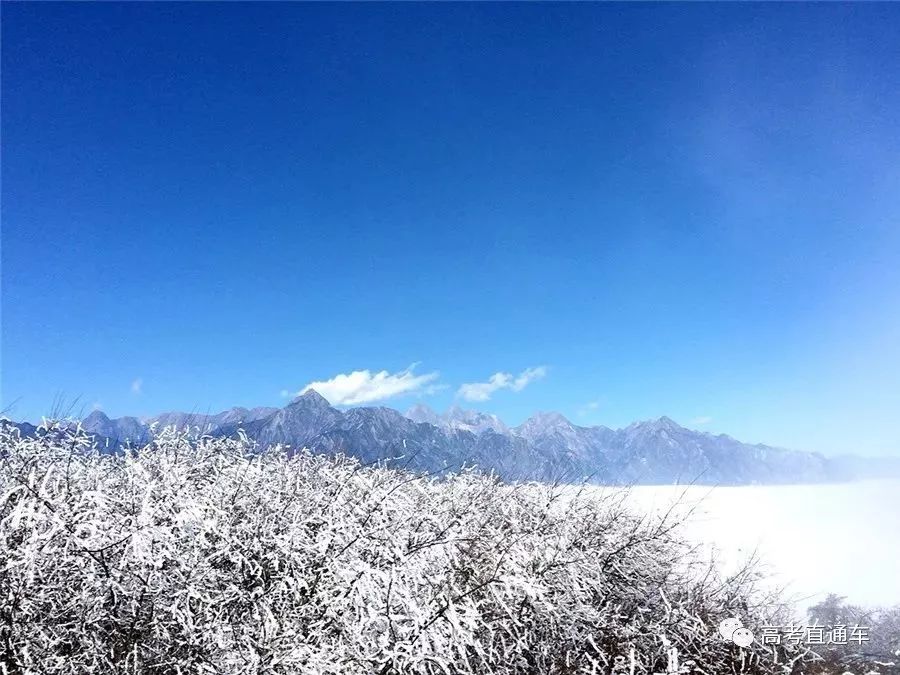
(210, 556)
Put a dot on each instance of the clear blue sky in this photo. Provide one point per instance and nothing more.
(688, 210)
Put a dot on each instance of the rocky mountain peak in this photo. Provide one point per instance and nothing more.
(311, 399)
(547, 445)
(666, 423)
(96, 417)
(542, 423)
(457, 418)
(423, 413)
(474, 420)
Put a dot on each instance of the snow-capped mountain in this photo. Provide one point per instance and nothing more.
(547, 446)
(457, 418)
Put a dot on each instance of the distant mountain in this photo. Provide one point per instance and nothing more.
(661, 451)
(545, 447)
(234, 416)
(458, 418)
(119, 430)
(25, 428)
(131, 429)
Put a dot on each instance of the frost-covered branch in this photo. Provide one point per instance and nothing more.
(202, 555)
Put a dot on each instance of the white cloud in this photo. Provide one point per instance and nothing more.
(589, 407)
(97, 406)
(700, 421)
(364, 386)
(482, 391)
(137, 387)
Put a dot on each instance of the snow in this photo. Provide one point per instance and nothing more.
(209, 555)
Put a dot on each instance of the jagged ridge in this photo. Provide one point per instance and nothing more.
(545, 447)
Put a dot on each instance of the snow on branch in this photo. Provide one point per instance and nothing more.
(202, 555)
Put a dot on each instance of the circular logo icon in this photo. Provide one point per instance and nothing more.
(742, 637)
(728, 626)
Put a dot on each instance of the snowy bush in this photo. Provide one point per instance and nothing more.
(211, 556)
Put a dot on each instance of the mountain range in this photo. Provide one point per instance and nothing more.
(545, 447)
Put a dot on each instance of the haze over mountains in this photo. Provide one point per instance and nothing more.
(547, 446)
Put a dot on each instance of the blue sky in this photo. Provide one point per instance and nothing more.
(614, 211)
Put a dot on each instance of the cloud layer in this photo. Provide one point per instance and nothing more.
(482, 391)
(364, 386)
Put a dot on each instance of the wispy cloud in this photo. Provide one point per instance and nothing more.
(482, 391)
(137, 386)
(97, 406)
(589, 407)
(364, 386)
(701, 420)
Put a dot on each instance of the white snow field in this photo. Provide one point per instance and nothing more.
(841, 538)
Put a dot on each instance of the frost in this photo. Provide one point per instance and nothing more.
(203, 555)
